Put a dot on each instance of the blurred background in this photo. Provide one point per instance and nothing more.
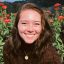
(13, 5)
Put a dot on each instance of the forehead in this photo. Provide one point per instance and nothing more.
(29, 11)
(30, 15)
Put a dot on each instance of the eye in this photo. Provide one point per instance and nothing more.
(23, 23)
(37, 23)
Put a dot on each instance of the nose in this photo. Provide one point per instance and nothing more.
(30, 28)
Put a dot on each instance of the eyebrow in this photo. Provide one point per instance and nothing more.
(28, 20)
(37, 21)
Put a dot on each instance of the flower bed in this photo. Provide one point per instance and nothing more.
(6, 24)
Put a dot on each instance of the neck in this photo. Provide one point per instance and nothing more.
(27, 47)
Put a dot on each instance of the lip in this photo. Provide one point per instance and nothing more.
(29, 34)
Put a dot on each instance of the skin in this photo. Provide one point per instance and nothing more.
(29, 25)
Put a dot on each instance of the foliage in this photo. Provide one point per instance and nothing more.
(57, 27)
(6, 24)
(57, 40)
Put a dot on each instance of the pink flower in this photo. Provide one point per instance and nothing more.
(6, 20)
(57, 5)
(48, 11)
(4, 7)
(8, 15)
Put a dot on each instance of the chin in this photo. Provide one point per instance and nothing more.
(29, 42)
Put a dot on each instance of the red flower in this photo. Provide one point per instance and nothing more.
(48, 11)
(56, 8)
(6, 20)
(8, 15)
(60, 18)
(0, 17)
(1, 4)
(4, 7)
(57, 5)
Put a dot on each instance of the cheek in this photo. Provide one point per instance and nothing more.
(21, 28)
(38, 29)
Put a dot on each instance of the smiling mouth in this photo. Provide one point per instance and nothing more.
(29, 35)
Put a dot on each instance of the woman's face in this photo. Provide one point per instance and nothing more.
(29, 25)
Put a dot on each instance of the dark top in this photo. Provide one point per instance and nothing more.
(49, 56)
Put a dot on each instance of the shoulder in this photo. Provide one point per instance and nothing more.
(51, 50)
(52, 55)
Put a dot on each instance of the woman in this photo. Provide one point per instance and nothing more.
(31, 40)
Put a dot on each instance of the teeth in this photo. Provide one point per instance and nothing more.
(30, 35)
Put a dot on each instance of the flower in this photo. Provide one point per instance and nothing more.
(8, 15)
(6, 24)
(57, 5)
(6, 20)
(48, 11)
(60, 18)
(1, 4)
(56, 8)
(4, 7)
(0, 17)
